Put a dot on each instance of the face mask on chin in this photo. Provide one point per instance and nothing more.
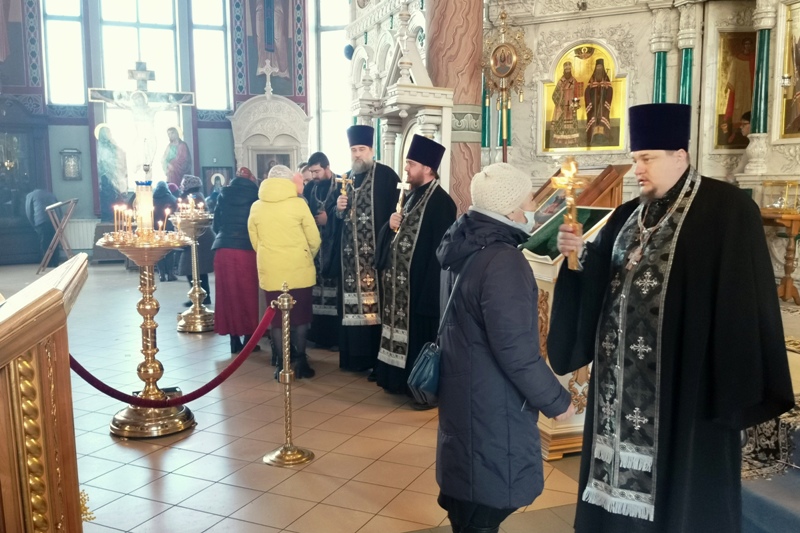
(529, 223)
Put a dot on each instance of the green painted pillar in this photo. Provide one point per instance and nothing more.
(378, 142)
(486, 120)
(687, 60)
(758, 122)
(660, 79)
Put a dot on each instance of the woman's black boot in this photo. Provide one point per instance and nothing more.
(236, 344)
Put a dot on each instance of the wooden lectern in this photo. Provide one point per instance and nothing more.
(38, 463)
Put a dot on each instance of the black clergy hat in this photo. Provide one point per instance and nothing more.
(425, 152)
(660, 126)
(359, 135)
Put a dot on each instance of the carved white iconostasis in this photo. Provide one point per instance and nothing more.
(392, 90)
(269, 130)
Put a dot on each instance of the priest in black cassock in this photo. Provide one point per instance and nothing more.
(358, 216)
(409, 268)
(675, 303)
(326, 322)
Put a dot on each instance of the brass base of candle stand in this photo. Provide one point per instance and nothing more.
(196, 319)
(143, 422)
(288, 456)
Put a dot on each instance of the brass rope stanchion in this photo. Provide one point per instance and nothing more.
(288, 454)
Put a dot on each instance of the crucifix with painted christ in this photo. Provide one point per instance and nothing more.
(143, 105)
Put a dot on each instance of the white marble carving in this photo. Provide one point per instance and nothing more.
(269, 124)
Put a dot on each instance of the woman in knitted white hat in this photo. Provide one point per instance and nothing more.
(493, 380)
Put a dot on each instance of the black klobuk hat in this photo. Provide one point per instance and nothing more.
(425, 152)
(360, 135)
(660, 126)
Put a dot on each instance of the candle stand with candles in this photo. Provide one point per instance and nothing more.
(146, 247)
(193, 220)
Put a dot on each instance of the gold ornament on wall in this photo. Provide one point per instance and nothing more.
(505, 58)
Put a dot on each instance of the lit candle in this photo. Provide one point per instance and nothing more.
(116, 217)
(129, 216)
(166, 217)
(161, 227)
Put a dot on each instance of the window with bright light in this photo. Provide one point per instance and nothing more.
(63, 48)
(330, 95)
(211, 52)
(140, 31)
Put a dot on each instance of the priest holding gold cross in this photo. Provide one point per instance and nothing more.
(363, 206)
(409, 269)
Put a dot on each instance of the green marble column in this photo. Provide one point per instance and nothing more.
(486, 120)
(378, 142)
(685, 96)
(758, 121)
(660, 79)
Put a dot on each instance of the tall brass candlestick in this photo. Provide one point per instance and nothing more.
(135, 422)
(198, 318)
(288, 454)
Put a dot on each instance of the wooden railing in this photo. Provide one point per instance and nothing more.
(38, 463)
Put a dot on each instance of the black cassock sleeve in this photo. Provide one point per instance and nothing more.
(578, 299)
(750, 368)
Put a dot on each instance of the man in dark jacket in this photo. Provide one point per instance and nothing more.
(324, 331)
(36, 203)
(675, 304)
(493, 380)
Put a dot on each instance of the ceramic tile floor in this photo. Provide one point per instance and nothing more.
(374, 465)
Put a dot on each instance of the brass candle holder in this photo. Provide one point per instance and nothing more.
(146, 248)
(288, 454)
(198, 318)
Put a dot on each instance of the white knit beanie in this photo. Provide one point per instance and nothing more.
(500, 188)
(281, 171)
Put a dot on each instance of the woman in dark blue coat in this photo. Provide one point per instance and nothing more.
(493, 380)
(236, 281)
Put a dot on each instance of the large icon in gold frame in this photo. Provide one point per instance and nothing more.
(585, 107)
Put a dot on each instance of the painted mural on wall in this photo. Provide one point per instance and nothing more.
(585, 106)
(269, 30)
(12, 44)
(735, 77)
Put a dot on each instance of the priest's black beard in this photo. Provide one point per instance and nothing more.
(359, 166)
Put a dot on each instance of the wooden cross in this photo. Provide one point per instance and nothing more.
(404, 187)
(141, 97)
(268, 70)
(141, 75)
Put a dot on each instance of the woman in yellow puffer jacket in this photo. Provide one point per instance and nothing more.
(286, 239)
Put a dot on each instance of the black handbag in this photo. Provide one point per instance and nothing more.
(424, 378)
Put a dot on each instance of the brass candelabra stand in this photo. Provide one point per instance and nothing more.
(288, 454)
(198, 318)
(146, 248)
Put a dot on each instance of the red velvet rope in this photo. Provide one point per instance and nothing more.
(186, 398)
